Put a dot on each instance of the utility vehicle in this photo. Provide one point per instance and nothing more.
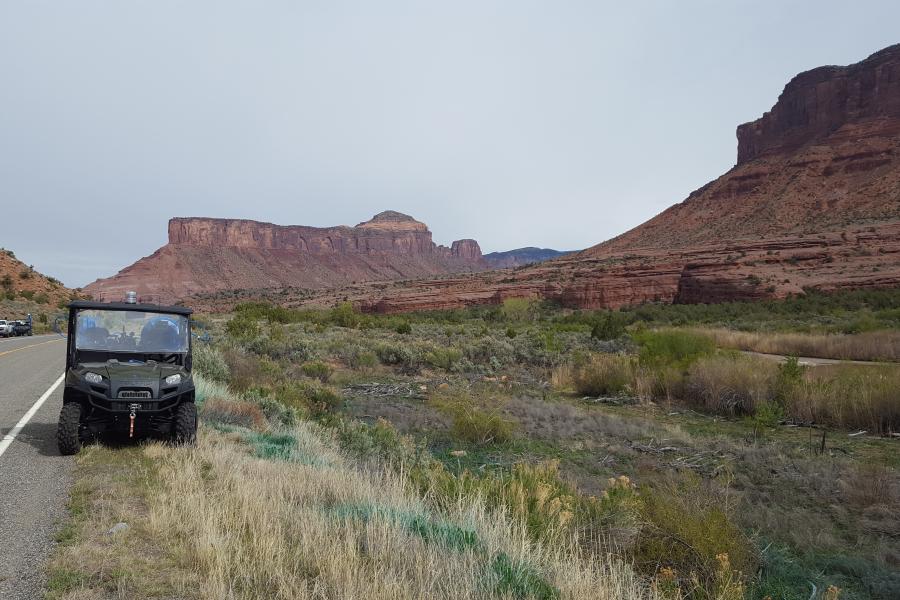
(128, 372)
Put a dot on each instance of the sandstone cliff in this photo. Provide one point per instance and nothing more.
(813, 201)
(219, 255)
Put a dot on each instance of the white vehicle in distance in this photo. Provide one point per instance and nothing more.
(7, 328)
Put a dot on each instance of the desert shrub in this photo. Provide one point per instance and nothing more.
(248, 370)
(403, 356)
(277, 412)
(293, 348)
(318, 370)
(603, 374)
(42, 298)
(444, 358)
(687, 529)
(240, 327)
(344, 315)
(381, 440)
(790, 375)
(27, 294)
(672, 347)
(209, 362)
(403, 328)
(25, 274)
(312, 399)
(482, 350)
(729, 384)
(608, 325)
(6, 282)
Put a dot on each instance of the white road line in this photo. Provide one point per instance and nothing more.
(9, 437)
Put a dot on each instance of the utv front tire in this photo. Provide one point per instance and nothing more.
(185, 427)
(68, 432)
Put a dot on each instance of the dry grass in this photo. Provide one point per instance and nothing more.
(307, 522)
(866, 397)
(731, 384)
(873, 345)
(270, 529)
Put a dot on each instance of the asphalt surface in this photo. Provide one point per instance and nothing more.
(34, 478)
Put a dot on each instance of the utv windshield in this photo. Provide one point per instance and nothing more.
(131, 331)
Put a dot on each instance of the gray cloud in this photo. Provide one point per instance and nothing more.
(518, 123)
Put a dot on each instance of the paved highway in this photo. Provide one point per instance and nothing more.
(34, 478)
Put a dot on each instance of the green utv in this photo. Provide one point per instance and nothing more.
(128, 372)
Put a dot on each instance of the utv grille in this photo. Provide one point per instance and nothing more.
(127, 394)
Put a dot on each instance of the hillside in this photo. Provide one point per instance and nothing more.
(521, 257)
(221, 255)
(813, 202)
(24, 290)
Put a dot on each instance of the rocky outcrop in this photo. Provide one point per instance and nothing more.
(813, 202)
(207, 255)
(851, 102)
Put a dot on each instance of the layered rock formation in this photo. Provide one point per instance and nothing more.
(219, 255)
(813, 201)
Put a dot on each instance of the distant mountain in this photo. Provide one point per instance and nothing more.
(206, 255)
(522, 256)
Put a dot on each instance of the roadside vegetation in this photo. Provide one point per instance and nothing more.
(517, 451)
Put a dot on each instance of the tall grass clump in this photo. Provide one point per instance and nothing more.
(729, 384)
(870, 345)
(603, 375)
(848, 396)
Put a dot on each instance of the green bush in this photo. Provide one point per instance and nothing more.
(240, 327)
(42, 298)
(672, 347)
(519, 309)
(27, 294)
(444, 358)
(344, 315)
(210, 363)
(399, 355)
(608, 325)
(404, 328)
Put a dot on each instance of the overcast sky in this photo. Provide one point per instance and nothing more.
(557, 124)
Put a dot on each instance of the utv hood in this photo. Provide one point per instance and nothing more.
(136, 377)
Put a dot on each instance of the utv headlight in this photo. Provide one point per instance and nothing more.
(93, 378)
(173, 379)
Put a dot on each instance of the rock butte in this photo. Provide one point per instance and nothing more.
(813, 202)
(218, 255)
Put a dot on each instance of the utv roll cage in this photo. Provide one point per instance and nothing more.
(76, 355)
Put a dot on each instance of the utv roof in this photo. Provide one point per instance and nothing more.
(156, 308)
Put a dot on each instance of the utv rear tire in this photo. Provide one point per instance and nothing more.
(68, 432)
(185, 428)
